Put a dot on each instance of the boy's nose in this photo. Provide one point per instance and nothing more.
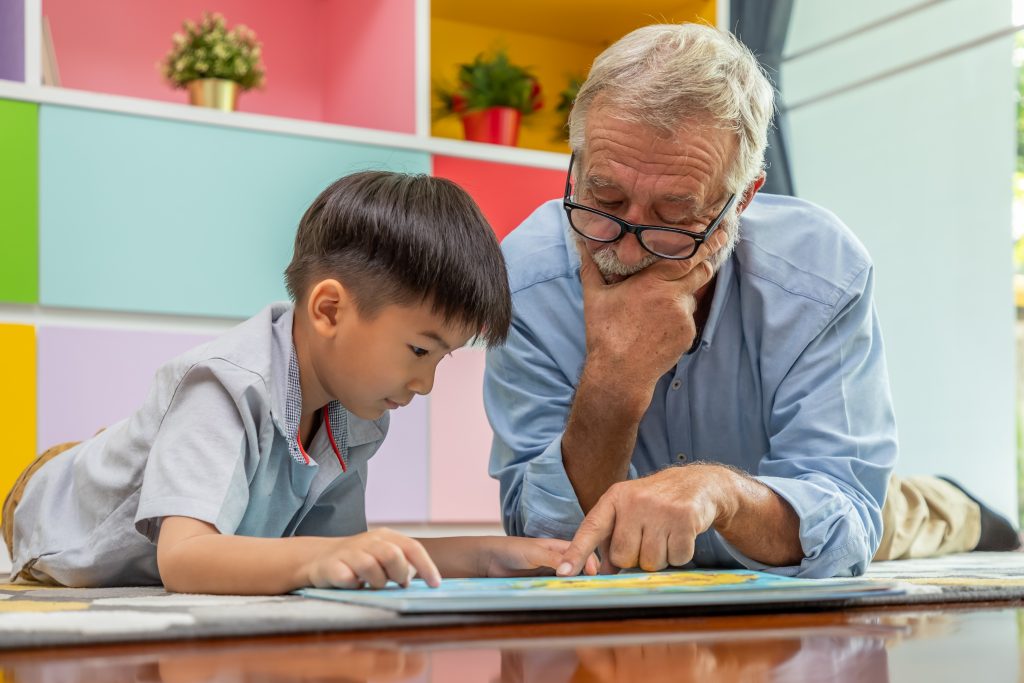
(422, 384)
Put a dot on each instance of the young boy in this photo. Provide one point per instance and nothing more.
(244, 470)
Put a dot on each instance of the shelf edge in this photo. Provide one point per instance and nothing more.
(184, 113)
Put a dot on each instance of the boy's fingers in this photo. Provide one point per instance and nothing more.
(559, 547)
(340, 575)
(392, 558)
(368, 568)
(420, 560)
(545, 556)
(596, 527)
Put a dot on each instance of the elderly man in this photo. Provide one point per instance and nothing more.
(654, 327)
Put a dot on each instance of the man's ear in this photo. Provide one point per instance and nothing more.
(750, 192)
(328, 306)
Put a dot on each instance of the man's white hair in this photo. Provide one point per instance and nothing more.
(667, 75)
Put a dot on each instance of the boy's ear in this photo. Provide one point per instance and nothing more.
(328, 305)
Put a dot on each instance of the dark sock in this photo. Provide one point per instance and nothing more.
(997, 533)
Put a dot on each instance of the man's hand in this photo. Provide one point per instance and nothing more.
(636, 330)
(649, 523)
(640, 327)
(652, 523)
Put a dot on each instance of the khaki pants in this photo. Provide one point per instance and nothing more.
(926, 517)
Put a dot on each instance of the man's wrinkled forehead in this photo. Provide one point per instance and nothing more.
(618, 150)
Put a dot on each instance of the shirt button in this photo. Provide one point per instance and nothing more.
(681, 457)
(676, 383)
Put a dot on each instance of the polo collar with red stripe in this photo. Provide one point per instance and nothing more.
(335, 419)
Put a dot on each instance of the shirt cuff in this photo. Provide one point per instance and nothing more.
(832, 537)
(548, 507)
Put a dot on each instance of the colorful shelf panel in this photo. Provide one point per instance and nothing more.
(323, 59)
(460, 443)
(90, 378)
(12, 40)
(159, 216)
(506, 193)
(397, 486)
(17, 401)
(19, 202)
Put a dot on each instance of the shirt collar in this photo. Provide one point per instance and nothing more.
(336, 418)
(344, 431)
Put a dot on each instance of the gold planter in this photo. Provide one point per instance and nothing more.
(216, 93)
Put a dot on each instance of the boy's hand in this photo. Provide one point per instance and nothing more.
(514, 556)
(371, 558)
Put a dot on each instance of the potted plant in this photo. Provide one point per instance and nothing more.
(213, 62)
(565, 101)
(491, 97)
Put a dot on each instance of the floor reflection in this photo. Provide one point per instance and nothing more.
(920, 645)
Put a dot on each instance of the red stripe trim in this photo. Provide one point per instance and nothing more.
(298, 440)
(330, 435)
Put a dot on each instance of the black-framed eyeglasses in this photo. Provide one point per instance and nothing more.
(660, 240)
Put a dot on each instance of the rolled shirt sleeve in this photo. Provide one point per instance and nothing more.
(833, 442)
(527, 399)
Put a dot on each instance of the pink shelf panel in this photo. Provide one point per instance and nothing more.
(325, 59)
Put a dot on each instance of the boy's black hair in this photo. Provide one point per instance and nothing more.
(394, 238)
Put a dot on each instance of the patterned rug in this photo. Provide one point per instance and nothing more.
(967, 577)
(41, 616)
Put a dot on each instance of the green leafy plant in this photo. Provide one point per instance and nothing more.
(491, 81)
(566, 97)
(208, 49)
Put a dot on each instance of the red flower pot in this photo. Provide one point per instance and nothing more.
(496, 125)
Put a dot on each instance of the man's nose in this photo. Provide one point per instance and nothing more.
(629, 251)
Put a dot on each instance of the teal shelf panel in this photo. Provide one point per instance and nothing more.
(19, 202)
(150, 215)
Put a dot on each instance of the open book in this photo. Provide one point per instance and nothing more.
(627, 590)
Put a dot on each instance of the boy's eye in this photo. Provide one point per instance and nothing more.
(419, 353)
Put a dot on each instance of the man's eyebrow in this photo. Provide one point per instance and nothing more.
(603, 182)
(438, 338)
(681, 199)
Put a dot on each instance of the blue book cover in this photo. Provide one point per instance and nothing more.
(624, 590)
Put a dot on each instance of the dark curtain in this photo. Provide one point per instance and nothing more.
(762, 26)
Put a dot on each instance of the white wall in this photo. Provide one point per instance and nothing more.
(902, 122)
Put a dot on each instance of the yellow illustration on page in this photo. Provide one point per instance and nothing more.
(643, 581)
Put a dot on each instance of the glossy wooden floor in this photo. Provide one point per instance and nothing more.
(974, 644)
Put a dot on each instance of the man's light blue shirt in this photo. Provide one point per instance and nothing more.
(788, 383)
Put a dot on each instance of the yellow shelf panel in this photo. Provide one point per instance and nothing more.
(555, 40)
(598, 22)
(17, 401)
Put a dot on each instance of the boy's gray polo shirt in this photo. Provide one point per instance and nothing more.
(215, 440)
